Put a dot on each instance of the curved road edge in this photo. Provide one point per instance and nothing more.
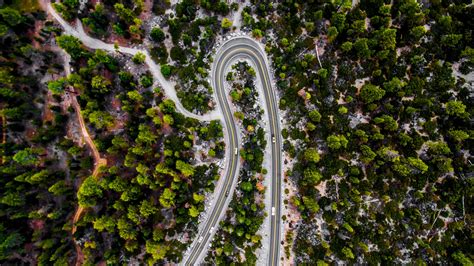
(92, 43)
(230, 51)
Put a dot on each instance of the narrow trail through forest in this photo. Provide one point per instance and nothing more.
(168, 86)
(98, 162)
(71, 97)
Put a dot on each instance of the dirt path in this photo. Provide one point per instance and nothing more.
(168, 86)
(98, 162)
(78, 31)
(70, 96)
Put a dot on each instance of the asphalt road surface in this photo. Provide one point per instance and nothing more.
(232, 50)
(238, 47)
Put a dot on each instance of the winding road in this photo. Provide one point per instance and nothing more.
(232, 50)
(168, 86)
(236, 48)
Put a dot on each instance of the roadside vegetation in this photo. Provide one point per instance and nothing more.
(237, 238)
(379, 126)
(180, 41)
(147, 196)
(376, 100)
(150, 194)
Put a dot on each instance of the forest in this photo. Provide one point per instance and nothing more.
(99, 166)
(380, 128)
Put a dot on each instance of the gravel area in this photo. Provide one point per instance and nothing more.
(93, 43)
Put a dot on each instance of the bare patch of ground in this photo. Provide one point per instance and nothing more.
(47, 113)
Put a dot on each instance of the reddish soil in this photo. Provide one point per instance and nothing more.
(116, 104)
(30, 132)
(35, 33)
(302, 94)
(118, 124)
(79, 256)
(37, 224)
(47, 113)
(166, 129)
(48, 116)
(108, 75)
(121, 41)
(147, 9)
(98, 162)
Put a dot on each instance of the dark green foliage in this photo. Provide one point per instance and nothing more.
(378, 139)
(97, 20)
(371, 93)
(391, 125)
(36, 191)
(11, 16)
(71, 45)
(166, 71)
(157, 35)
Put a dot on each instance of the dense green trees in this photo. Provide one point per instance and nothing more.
(101, 119)
(157, 34)
(371, 93)
(71, 45)
(311, 176)
(165, 70)
(311, 155)
(88, 192)
(11, 16)
(26, 157)
(391, 113)
(100, 84)
(36, 188)
(388, 181)
(186, 169)
(315, 116)
(67, 8)
(226, 23)
(192, 39)
(152, 182)
(97, 20)
(57, 86)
